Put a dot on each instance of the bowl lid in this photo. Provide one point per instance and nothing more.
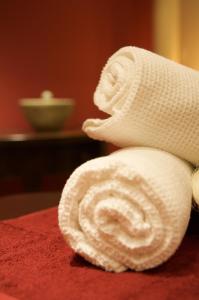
(46, 98)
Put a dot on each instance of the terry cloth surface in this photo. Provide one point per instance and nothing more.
(127, 210)
(36, 264)
(6, 297)
(152, 101)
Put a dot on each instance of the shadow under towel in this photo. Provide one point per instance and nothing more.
(127, 210)
(152, 101)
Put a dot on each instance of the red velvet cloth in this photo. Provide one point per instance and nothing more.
(36, 263)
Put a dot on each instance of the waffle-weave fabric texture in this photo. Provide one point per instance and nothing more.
(127, 210)
(152, 101)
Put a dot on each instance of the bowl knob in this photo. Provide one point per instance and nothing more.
(46, 95)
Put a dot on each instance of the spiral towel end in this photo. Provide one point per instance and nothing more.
(195, 186)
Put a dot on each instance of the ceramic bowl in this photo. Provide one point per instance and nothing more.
(47, 113)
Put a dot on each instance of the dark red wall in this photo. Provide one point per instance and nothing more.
(62, 45)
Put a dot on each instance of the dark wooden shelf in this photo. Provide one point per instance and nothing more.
(31, 137)
(32, 157)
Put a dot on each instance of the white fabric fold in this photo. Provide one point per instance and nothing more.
(127, 210)
(152, 101)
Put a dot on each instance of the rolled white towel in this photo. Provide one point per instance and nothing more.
(127, 210)
(152, 101)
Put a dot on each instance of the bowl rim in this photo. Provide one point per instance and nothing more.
(37, 102)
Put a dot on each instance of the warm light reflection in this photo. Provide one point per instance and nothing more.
(167, 28)
(176, 30)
